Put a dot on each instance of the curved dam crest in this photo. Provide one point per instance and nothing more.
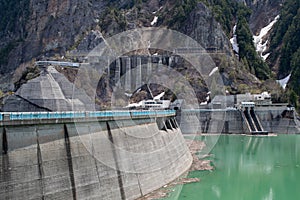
(106, 160)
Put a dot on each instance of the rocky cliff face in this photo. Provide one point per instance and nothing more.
(263, 12)
(55, 30)
(202, 26)
(52, 27)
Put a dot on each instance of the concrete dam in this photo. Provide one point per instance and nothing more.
(269, 119)
(59, 147)
(50, 152)
(97, 156)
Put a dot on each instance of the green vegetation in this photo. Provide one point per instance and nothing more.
(287, 34)
(285, 45)
(5, 52)
(180, 12)
(288, 12)
(224, 11)
(247, 51)
(113, 19)
(295, 66)
(294, 86)
(13, 15)
(28, 74)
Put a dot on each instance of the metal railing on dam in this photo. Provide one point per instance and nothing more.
(60, 63)
(105, 115)
(208, 110)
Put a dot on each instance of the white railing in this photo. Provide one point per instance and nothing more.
(60, 63)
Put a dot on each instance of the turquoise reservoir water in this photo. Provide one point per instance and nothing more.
(248, 168)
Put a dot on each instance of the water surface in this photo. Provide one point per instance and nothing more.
(247, 168)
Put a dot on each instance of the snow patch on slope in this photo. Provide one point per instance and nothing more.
(154, 12)
(265, 56)
(213, 71)
(154, 21)
(233, 41)
(283, 82)
(261, 46)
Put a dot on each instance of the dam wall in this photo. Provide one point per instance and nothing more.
(212, 121)
(274, 119)
(112, 159)
(278, 120)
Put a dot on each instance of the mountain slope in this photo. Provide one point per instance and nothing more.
(53, 29)
(285, 46)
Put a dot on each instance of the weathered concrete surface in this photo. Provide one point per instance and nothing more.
(93, 160)
(278, 120)
(51, 91)
(212, 121)
(273, 119)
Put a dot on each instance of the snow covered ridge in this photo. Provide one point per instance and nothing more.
(261, 46)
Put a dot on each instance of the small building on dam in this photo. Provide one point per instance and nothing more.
(240, 114)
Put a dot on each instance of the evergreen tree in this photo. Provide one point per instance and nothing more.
(291, 42)
(247, 50)
(295, 65)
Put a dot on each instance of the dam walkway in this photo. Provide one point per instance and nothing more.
(15, 118)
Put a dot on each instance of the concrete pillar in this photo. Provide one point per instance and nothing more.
(168, 124)
(108, 68)
(118, 70)
(138, 82)
(159, 64)
(161, 123)
(173, 123)
(149, 68)
(3, 141)
(128, 74)
(170, 61)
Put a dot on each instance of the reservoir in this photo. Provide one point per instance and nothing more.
(246, 168)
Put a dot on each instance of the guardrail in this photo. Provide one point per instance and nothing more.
(61, 63)
(90, 114)
(209, 109)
